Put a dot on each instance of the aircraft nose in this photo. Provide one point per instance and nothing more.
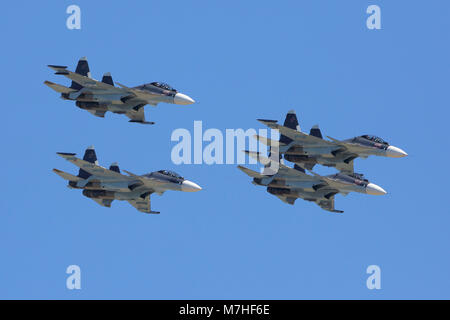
(375, 190)
(183, 99)
(395, 152)
(189, 186)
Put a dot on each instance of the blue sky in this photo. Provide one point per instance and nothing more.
(240, 60)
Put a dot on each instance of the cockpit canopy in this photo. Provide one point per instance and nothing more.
(375, 139)
(352, 178)
(358, 176)
(163, 85)
(171, 174)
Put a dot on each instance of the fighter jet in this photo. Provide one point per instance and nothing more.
(105, 185)
(99, 97)
(289, 184)
(310, 149)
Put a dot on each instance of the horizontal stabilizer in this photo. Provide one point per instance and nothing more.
(57, 68)
(250, 173)
(58, 88)
(258, 156)
(66, 176)
(267, 141)
(265, 121)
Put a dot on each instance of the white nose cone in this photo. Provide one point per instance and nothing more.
(189, 186)
(375, 190)
(182, 99)
(395, 152)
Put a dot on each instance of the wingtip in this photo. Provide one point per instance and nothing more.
(66, 155)
(141, 122)
(267, 121)
(54, 66)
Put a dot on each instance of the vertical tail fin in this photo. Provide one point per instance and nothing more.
(291, 122)
(83, 69)
(108, 79)
(90, 156)
(114, 167)
(315, 131)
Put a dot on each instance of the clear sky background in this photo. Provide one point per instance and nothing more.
(240, 60)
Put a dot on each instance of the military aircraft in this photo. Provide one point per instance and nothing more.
(99, 97)
(105, 185)
(289, 184)
(310, 149)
